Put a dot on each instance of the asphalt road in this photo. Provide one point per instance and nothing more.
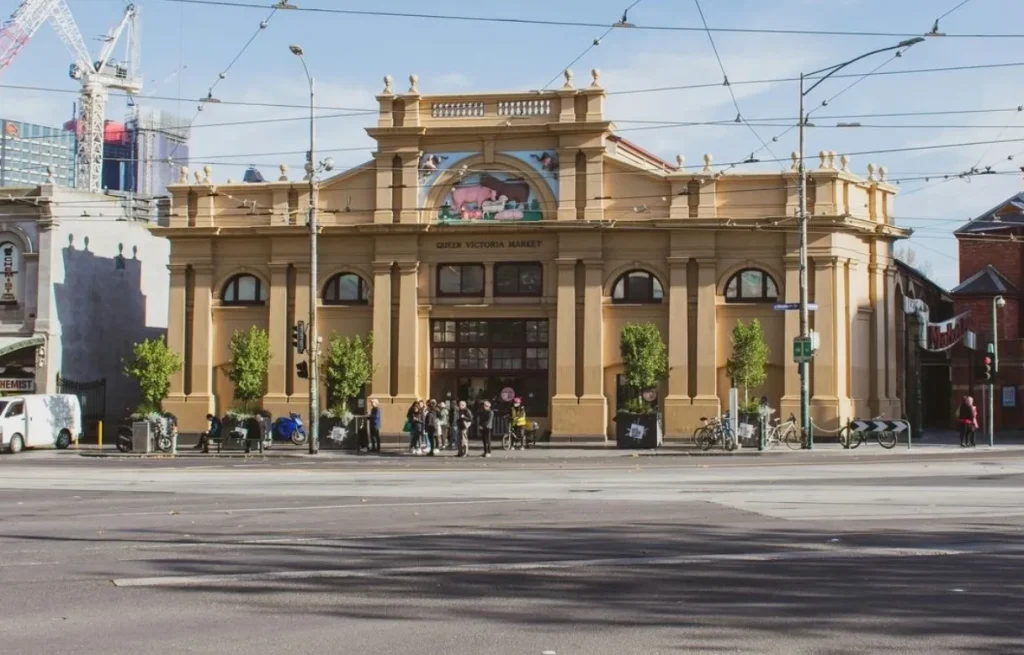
(561, 554)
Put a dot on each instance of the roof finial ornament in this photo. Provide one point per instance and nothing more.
(388, 88)
(795, 157)
(844, 161)
(680, 161)
(183, 175)
(568, 79)
(414, 79)
(207, 172)
(822, 158)
(871, 172)
(595, 74)
(882, 173)
(832, 160)
(707, 162)
(284, 173)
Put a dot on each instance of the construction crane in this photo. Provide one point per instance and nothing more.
(97, 76)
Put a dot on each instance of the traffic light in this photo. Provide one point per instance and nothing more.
(984, 372)
(303, 370)
(299, 337)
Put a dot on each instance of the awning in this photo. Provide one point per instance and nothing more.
(11, 344)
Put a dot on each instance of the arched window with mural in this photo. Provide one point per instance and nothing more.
(751, 285)
(11, 255)
(517, 186)
(244, 289)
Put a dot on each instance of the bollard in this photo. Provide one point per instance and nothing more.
(761, 429)
(99, 434)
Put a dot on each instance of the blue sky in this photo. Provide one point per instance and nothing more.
(186, 46)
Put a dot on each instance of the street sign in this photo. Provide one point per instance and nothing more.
(794, 306)
(803, 350)
(876, 425)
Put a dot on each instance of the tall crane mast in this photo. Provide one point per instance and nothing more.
(97, 76)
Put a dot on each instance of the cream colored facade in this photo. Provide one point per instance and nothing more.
(605, 208)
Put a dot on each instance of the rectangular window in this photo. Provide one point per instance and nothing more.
(460, 280)
(444, 332)
(510, 332)
(472, 331)
(518, 279)
(507, 359)
(444, 358)
(537, 359)
(473, 358)
(536, 331)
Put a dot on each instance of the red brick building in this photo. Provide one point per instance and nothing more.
(991, 266)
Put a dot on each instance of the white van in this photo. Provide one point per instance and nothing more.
(39, 420)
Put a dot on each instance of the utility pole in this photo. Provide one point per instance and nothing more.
(805, 407)
(997, 303)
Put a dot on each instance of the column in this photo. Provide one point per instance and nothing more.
(677, 403)
(878, 368)
(279, 332)
(790, 403)
(841, 312)
(202, 343)
(824, 390)
(299, 400)
(891, 311)
(706, 397)
(408, 357)
(565, 404)
(593, 404)
(567, 184)
(176, 332)
(385, 177)
(410, 212)
(380, 386)
(594, 210)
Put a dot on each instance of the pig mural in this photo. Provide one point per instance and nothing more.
(490, 196)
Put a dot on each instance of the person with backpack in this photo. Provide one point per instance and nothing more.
(374, 426)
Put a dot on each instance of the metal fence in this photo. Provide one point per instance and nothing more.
(91, 395)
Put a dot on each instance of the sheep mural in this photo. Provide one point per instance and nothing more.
(490, 196)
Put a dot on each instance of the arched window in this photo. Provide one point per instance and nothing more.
(10, 257)
(637, 287)
(751, 285)
(244, 289)
(346, 289)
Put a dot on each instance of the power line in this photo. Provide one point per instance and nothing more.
(568, 23)
(596, 42)
(725, 82)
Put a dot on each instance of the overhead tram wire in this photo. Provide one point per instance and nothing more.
(568, 23)
(624, 22)
(732, 94)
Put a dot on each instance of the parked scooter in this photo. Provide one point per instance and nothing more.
(289, 428)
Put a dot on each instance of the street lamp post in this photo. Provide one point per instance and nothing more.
(997, 303)
(805, 405)
(313, 342)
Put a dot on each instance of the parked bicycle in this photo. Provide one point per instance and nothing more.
(850, 438)
(716, 431)
(786, 432)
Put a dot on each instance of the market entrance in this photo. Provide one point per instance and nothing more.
(475, 360)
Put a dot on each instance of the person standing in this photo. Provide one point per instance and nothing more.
(414, 419)
(485, 425)
(443, 417)
(374, 426)
(430, 427)
(518, 423)
(967, 416)
(464, 419)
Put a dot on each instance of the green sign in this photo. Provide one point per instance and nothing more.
(802, 351)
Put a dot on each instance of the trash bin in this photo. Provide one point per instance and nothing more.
(638, 431)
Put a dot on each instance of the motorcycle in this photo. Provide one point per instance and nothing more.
(289, 428)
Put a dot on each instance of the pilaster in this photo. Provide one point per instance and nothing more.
(593, 404)
(824, 391)
(892, 362)
(565, 404)
(594, 210)
(567, 184)
(790, 403)
(201, 398)
(678, 405)
(176, 328)
(879, 363)
(383, 208)
(408, 341)
(410, 212)
(380, 387)
(706, 397)
(279, 335)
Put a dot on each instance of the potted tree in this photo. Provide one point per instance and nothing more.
(250, 361)
(347, 369)
(151, 365)
(638, 423)
(747, 369)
